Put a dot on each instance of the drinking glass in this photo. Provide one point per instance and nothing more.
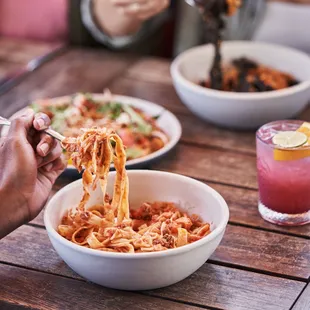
(283, 176)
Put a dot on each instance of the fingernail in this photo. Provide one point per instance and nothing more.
(41, 123)
(48, 167)
(42, 120)
(44, 148)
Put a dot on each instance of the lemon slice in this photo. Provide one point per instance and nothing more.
(290, 139)
(305, 128)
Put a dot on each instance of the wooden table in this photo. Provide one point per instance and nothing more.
(14, 54)
(257, 266)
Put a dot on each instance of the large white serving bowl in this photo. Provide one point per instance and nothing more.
(142, 271)
(242, 110)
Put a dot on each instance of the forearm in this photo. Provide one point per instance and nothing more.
(12, 213)
(112, 22)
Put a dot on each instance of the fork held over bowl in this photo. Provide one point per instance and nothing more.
(49, 131)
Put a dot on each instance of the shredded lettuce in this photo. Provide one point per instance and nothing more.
(134, 152)
(35, 107)
(142, 126)
(114, 108)
(59, 122)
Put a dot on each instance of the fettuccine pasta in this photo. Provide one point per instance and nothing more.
(112, 226)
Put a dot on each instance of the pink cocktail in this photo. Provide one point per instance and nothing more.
(283, 176)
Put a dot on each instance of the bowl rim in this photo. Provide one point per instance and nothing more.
(170, 252)
(179, 78)
(173, 140)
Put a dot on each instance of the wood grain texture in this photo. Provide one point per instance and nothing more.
(254, 249)
(267, 251)
(198, 132)
(7, 68)
(162, 94)
(76, 70)
(43, 291)
(232, 289)
(21, 51)
(212, 285)
(303, 303)
(243, 207)
(211, 165)
(150, 69)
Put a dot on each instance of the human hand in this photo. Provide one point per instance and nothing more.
(141, 9)
(29, 165)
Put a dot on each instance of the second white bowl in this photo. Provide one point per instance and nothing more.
(242, 110)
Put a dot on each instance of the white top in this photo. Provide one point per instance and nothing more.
(286, 24)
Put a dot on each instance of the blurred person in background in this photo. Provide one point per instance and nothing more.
(117, 24)
(275, 21)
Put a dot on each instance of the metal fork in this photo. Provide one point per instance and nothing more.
(49, 131)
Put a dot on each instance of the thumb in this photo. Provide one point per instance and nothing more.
(21, 125)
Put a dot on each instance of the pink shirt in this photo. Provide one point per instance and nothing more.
(34, 19)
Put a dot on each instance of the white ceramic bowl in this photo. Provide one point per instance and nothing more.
(142, 271)
(242, 110)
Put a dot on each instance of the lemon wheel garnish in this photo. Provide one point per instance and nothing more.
(290, 139)
(305, 128)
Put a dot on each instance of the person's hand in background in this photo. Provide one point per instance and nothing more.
(29, 165)
(125, 17)
(141, 9)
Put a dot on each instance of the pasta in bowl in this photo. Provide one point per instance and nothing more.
(134, 248)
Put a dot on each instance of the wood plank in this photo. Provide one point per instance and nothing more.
(244, 210)
(30, 247)
(206, 134)
(214, 286)
(161, 94)
(155, 70)
(76, 70)
(233, 289)
(7, 67)
(266, 251)
(43, 291)
(303, 303)
(211, 165)
(244, 247)
(22, 51)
